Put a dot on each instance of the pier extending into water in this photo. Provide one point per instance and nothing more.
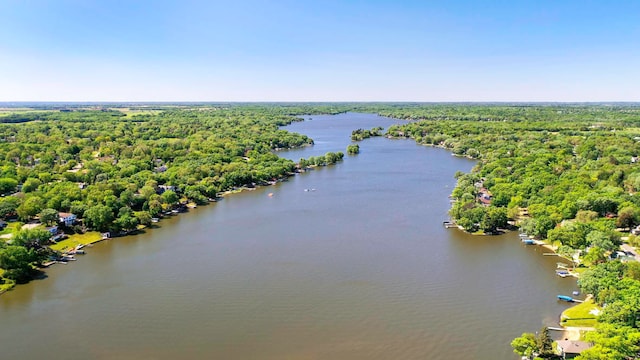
(449, 224)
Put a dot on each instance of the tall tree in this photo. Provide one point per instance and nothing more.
(49, 216)
(17, 263)
(98, 217)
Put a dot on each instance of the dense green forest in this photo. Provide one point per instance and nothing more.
(569, 175)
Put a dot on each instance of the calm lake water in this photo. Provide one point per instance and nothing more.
(358, 267)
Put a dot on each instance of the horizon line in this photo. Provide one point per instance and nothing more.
(99, 102)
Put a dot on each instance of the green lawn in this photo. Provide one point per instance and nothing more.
(11, 227)
(77, 239)
(580, 270)
(580, 315)
(5, 284)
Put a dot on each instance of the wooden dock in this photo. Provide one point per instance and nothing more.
(449, 224)
(555, 328)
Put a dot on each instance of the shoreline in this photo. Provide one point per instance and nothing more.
(72, 243)
(570, 331)
(70, 246)
(439, 146)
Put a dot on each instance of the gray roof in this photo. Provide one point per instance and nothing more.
(573, 347)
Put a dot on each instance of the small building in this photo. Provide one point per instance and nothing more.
(58, 237)
(68, 219)
(484, 196)
(570, 349)
(53, 230)
(163, 188)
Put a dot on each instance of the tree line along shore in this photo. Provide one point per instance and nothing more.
(87, 172)
(565, 174)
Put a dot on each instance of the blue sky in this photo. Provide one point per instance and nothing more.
(187, 50)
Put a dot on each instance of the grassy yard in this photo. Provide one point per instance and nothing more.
(11, 227)
(77, 239)
(5, 284)
(580, 270)
(581, 315)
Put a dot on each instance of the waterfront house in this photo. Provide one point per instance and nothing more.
(570, 349)
(67, 218)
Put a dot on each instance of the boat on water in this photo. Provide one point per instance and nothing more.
(565, 298)
(155, 220)
(528, 241)
(562, 273)
(449, 224)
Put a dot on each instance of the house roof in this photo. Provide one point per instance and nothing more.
(573, 347)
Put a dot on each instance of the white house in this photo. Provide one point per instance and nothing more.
(67, 218)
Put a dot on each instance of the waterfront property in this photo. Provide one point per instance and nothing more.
(570, 349)
(68, 219)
